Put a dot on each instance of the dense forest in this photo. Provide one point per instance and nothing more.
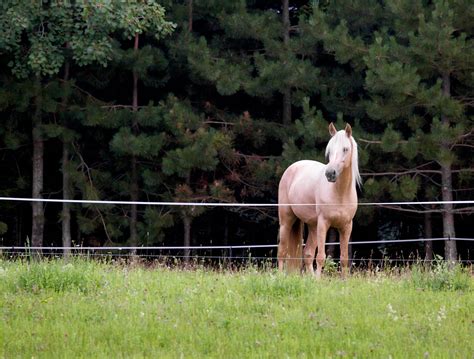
(210, 101)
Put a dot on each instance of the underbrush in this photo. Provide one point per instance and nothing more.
(440, 275)
(84, 275)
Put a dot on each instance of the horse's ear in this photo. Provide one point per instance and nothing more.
(348, 130)
(332, 129)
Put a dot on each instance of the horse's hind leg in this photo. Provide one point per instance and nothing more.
(295, 245)
(285, 234)
(282, 247)
(287, 221)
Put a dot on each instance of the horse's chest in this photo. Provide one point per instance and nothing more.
(338, 216)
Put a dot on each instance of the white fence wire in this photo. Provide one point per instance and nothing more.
(225, 204)
(123, 249)
(228, 247)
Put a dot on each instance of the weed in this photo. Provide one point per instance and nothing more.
(442, 276)
(330, 266)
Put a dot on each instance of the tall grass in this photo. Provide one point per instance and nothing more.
(89, 309)
(442, 275)
(54, 275)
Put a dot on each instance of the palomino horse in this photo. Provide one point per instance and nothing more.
(322, 196)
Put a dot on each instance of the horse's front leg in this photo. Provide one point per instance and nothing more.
(344, 236)
(322, 230)
(310, 248)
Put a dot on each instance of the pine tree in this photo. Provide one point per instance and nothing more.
(246, 53)
(222, 87)
(418, 80)
(45, 32)
(396, 57)
(138, 20)
(46, 27)
(191, 162)
(253, 52)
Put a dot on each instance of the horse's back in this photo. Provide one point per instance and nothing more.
(302, 169)
(298, 182)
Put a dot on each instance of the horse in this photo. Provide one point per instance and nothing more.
(322, 196)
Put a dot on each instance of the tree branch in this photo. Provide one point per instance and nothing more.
(464, 210)
(401, 173)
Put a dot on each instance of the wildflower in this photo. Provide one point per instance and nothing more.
(392, 313)
(441, 314)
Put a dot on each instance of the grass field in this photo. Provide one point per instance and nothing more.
(90, 309)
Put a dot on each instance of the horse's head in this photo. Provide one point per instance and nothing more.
(341, 153)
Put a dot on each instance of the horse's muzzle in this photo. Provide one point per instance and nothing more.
(330, 175)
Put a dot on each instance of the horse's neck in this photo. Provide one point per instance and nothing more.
(345, 186)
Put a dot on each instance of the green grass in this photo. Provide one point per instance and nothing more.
(89, 309)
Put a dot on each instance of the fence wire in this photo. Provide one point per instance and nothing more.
(226, 255)
(225, 204)
(227, 247)
(140, 251)
(201, 259)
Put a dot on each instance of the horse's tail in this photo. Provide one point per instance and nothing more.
(295, 247)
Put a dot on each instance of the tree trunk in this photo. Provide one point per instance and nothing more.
(450, 251)
(37, 185)
(286, 111)
(66, 211)
(187, 221)
(135, 76)
(134, 190)
(190, 15)
(428, 234)
(134, 209)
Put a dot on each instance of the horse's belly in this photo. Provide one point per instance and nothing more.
(302, 192)
(308, 214)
